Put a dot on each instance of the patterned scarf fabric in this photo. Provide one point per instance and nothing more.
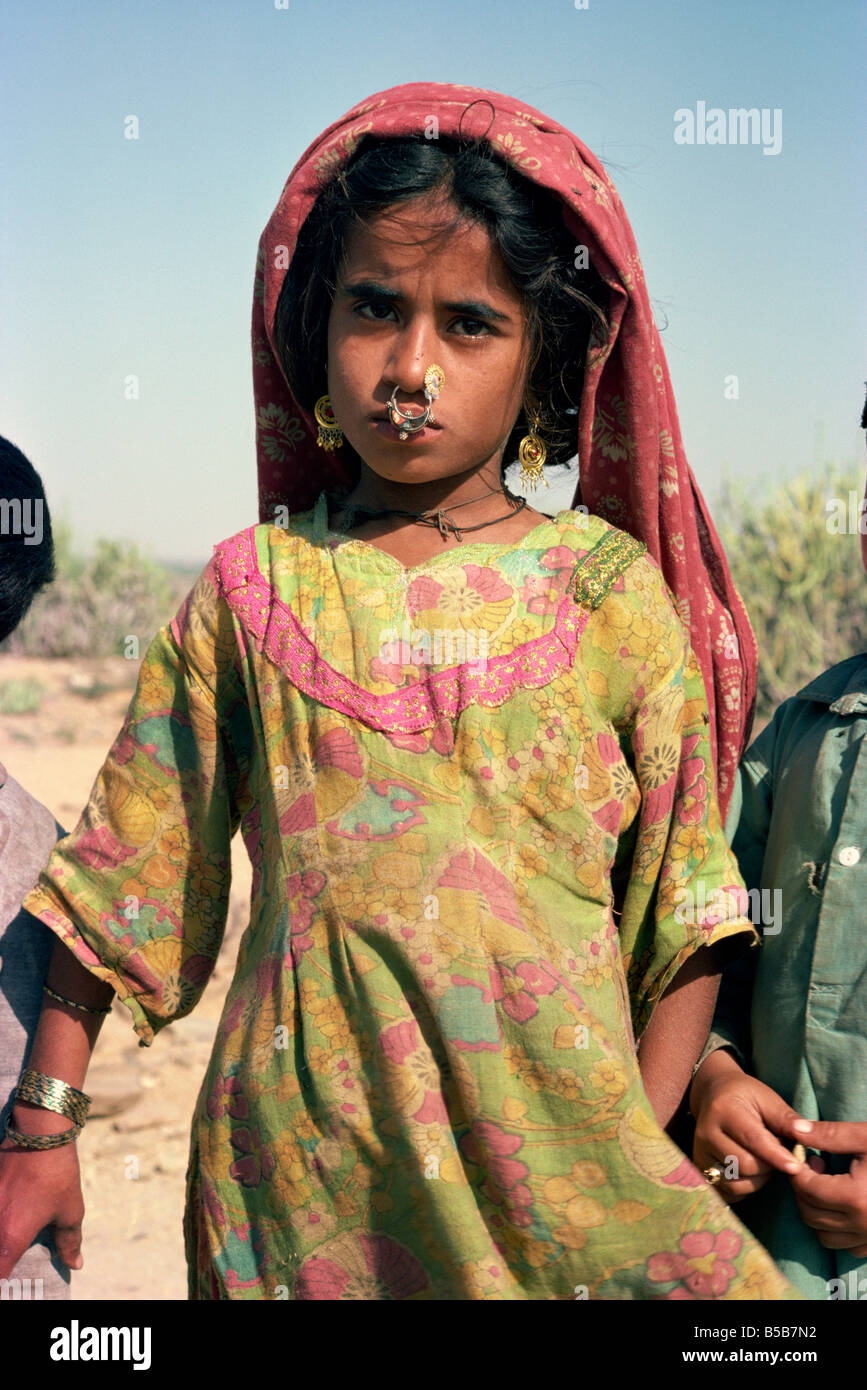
(633, 470)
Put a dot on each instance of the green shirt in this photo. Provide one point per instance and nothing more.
(798, 826)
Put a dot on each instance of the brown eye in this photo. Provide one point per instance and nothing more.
(371, 304)
(479, 323)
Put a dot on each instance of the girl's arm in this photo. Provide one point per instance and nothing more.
(676, 890)
(42, 1188)
(65, 1036)
(170, 795)
(673, 1040)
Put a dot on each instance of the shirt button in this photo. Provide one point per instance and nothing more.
(849, 856)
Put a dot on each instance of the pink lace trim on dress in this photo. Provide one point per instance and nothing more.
(279, 636)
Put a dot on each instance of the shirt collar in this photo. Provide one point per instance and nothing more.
(842, 687)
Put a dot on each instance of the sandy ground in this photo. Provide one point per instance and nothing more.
(133, 1155)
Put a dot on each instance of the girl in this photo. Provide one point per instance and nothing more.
(469, 749)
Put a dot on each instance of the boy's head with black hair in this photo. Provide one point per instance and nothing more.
(26, 544)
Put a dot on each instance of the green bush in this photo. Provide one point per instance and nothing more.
(803, 584)
(98, 601)
(20, 697)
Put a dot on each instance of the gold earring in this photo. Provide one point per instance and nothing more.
(532, 454)
(329, 435)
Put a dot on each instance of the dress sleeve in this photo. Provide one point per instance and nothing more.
(676, 883)
(139, 890)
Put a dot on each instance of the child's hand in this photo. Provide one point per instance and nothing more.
(738, 1118)
(834, 1205)
(37, 1189)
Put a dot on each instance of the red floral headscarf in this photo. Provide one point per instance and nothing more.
(632, 466)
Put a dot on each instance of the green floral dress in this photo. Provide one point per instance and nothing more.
(475, 794)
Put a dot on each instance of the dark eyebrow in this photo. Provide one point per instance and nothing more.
(371, 289)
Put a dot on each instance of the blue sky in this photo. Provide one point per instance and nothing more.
(136, 257)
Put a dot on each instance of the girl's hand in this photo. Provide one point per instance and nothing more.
(834, 1205)
(39, 1189)
(737, 1121)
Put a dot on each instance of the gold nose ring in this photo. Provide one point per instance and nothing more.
(406, 423)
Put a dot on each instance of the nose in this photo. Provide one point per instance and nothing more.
(411, 355)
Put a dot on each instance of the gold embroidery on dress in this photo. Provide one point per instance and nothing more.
(593, 577)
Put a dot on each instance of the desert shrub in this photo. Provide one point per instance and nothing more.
(799, 574)
(20, 697)
(97, 601)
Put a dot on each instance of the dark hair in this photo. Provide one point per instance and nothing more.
(864, 413)
(526, 225)
(26, 562)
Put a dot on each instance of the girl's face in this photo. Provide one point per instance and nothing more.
(397, 309)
